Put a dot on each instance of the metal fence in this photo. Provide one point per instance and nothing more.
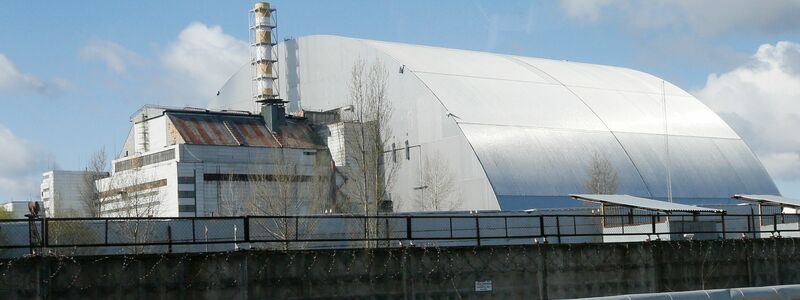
(20, 237)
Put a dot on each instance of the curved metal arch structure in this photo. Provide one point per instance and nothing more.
(521, 132)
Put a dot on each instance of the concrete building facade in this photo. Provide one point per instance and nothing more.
(189, 162)
(63, 192)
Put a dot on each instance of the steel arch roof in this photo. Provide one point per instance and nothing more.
(535, 123)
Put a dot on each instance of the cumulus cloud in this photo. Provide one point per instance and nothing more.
(702, 17)
(115, 57)
(761, 101)
(588, 10)
(12, 80)
(201, 60)
(21, 166)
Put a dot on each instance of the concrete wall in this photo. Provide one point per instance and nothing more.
(529, 272)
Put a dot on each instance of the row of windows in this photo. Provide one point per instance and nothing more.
(149, 159)
(186, 180)
(144, 208)
(134, 188)
(254, 177)
(186, 208)
(186, 194)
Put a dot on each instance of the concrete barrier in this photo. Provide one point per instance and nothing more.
(541, 271)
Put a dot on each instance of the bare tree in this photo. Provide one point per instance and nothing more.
(286, 188)
(134, 196)
(232, 190)
(603, 177)
(437, 190)
(96, 168)
(71, 232)
(369, 177)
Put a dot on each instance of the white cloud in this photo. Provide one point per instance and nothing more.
(12, 80)
(201, 60)
(116, 57)
(782, 165)
(587, 10)
(702, 17)
(21, 166)
(761, 101)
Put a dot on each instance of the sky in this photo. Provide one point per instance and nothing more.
(72, 74)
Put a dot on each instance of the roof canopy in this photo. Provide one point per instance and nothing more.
(643, 203)
(772, 199)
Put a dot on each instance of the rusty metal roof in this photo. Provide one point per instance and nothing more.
(204, 128)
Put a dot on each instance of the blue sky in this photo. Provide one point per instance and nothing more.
(71, 74)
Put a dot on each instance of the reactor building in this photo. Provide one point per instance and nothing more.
(521, 132)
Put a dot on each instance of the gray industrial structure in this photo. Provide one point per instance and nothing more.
(521, 132)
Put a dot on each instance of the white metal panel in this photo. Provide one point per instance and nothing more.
(544, 162)
(427, 59)
(575, 74)
(157, 133)
(644, 113)
(698, 168)
(504, 102)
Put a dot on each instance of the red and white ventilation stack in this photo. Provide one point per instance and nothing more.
(262, 43)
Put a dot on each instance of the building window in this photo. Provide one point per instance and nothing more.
(149, 159)
(185, 194)
(252, 177)
(186, 180)
(186, 208)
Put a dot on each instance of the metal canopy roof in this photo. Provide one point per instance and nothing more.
(769, 198)
(643, 203)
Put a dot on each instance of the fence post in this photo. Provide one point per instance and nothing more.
(169, 238)
(296, 228)
(246, 233)
(478, 230)
(558, 229)
(505, 220)
(408, 227)
(44, 234)
(541, 226)
(451, 226)
(653, 222)
(574, 225)
(775, 224)
(106, 232)
(30, 234)
(194, 238)
(722, 216)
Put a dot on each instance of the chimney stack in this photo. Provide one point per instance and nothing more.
(264, 65)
